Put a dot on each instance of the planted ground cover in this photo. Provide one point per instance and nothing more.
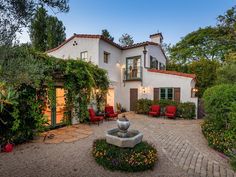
(140, 158)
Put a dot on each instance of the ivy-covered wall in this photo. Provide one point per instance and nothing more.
(27, 77)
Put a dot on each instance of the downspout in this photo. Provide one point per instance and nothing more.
(144, 62)
(144, 56)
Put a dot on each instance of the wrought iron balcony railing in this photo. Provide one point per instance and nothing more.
(132, 74)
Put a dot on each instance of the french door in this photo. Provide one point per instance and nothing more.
(55, 111)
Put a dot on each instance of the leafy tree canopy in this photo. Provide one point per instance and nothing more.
(38, 30)
(126, 40)
(210, 43)
(228, 21)
(205, 71)
(46, 32)
(227, 73)
(106, 34)
(14, 15)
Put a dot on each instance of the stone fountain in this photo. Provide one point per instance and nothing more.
(123, 137)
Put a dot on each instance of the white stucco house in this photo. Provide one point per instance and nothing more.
(136, 71)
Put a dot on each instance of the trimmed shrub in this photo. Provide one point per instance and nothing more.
(220, 126)
(219, 102)
(143, 106)
(164, 103)
(142, 157)
(186, 110)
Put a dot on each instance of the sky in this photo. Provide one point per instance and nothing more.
(140, 18)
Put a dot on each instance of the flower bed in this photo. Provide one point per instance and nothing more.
(142, 157)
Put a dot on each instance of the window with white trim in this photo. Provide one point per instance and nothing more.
(153, 63)
(84, 55)
(106, 57)
(166, 94)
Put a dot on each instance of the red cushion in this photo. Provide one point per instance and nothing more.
(112, 115)
(153, 113)
(91, 112)
(109, 110)
(96, 118)
(155, 108)
(171, 109)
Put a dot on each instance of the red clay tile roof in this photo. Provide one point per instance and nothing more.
(140, 45)
(85, 36)
(173, 73)
(104, 39)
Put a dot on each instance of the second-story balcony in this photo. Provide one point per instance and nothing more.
(134, 74)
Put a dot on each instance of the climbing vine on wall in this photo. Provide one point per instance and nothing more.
(34, 76)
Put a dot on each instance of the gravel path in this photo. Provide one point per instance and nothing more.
(182, 151)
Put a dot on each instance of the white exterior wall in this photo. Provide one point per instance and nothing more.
(125, 89)
(113, 67)
(84, 44)
(156, 52)
(116, 64)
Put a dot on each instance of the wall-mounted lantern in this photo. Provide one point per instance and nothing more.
(194, 91)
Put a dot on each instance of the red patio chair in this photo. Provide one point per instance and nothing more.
(154, 110)
(93, 118)
(109, 111)
(170, 111)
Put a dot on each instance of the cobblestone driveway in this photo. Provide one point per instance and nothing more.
(182, 151)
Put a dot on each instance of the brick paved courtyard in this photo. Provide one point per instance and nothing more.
(182, 151)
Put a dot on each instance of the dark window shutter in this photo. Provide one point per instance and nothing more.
(156, 94)
(177, 94)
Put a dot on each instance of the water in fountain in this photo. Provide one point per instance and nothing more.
(121, 136)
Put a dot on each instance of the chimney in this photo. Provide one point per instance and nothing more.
(157, 38)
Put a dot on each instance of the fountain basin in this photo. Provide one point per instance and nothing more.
(132, 138)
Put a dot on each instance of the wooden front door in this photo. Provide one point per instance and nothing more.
(133, 98)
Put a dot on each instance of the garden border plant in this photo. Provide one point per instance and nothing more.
(219, 128)
(140, 158)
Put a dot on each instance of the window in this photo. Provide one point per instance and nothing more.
(106, 57)
(153, 62)
(133, 68)
(166, 94)
(162, 66)
(84, 55)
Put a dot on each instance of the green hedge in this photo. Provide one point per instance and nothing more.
(143, 106)
(184, 110)
(219, 127)
(142, 157)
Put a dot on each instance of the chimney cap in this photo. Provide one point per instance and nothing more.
(156, 34)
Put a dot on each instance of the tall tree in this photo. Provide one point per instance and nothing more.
(227, 23)
(55, 32)
(209, 43)
(227, 73)
(107, 35)
(205, 71)
(38, 27)
(46, 32)
(14, 15)
(126, 40)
